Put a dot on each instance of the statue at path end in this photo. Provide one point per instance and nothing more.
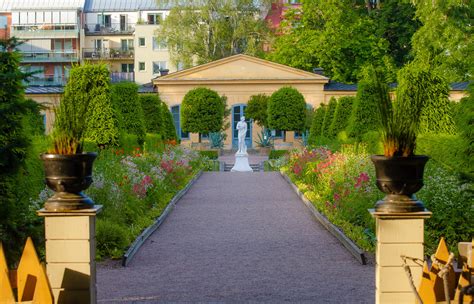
(241, 157)
(242, 128)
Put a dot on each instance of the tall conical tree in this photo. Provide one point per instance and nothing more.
(317, 124)
(328, 117)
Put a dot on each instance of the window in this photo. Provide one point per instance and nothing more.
(277, 133)
(141, 41)
(3, 21)
(159, 44)
(127, 67)
(158, 66)
(98, 44)
(104, 20)
(127, 44)
(155, 18)
(177, 124)
(141, 66)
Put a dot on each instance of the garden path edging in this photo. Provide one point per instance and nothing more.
(345, 241)
(140, 240)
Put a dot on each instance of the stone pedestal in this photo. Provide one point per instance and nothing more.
(241, 163)
(398, 234)
(70, 254)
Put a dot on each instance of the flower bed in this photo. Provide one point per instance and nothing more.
(341, 185)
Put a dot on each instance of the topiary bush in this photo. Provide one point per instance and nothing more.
(151, 105)
(276, 154)
(287, 110)
(317, 123)
(168, 128)
(202, 111)
(257, 109)
(125, 98)
(364, 116)
(328, 118)
(341, 115)
(211, 154)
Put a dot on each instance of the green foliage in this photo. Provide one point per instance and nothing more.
(125, 99)
(341, 115)
(276, 154)
(328, 118)
(287, 110)
(217, 139)
(317, 124)
(211, 154)
(112, 238)
(257, 109)
(205, 31)
(466, 128)
(364, 116)
(202, 111)
(169, 130)
(33, 120)
(264, 139)
(152, 112)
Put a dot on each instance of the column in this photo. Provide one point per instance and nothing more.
(70, 254)
(398, 234)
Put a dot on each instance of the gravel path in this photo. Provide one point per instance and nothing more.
(239, 238)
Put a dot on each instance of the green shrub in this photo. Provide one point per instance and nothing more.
(341, 115)
(153, 143)
(275, 154)
(202, 111)
(168, 128)
(257, 109)
(465, 125)
(328, 118)
(152, 112)
(33, 120)
(112, 238)
(364, 116)
(287, 110)
(125, 98)
(373, 140)
(317, 123)
(211, 154)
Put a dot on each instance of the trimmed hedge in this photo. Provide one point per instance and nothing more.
(211, 154)
(328, 118)
(151, 105)
(317, 123)
(125, 98)
(275, 154)
(168, 130)
(341, 115)
(287, 110)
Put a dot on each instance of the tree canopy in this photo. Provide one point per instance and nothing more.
(257, 109)
(287, 110)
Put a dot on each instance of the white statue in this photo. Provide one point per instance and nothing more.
(242, 128)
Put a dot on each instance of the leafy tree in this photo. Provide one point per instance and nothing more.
(257, 109)
(168, 128)
(466, 128)
(209, 30)
(151, 105)
(364, 116)
(125, 98)
(317, 123)
(287, 110)
(328, 117)
(341, 115)
(202, 111)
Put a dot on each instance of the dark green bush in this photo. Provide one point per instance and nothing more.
(153, 142)
(373, 140)
(275, 154)
(211, 154)
(111, 237)
(202, 111)
(365, 116)
(341, 115)
(168, 129)
(152, 112)
(465, 125)
(317, 123)
(328, 118)
(125, 98)
(287, 110)
(257, 109)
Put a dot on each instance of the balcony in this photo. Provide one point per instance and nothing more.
(108, 54)
(51, 56)
(119, 77)
(46, 81)
(32, 31)
(97, 29)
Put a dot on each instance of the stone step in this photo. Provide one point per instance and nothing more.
(255, 167)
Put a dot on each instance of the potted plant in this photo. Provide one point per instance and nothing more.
(68, 169)
(399, 172)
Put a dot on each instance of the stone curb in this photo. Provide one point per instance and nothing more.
(343, 239)
(140, 240)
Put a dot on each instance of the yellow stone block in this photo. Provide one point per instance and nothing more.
(400, 230)
(395, 298)
(70, 275)
(389, 254)
(69, 228)
(63, 296)
(394, 279)
(68, 251)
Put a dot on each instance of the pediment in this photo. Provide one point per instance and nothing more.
(242, 67)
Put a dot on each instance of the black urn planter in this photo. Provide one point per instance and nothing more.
(399, 178)
(68, 176)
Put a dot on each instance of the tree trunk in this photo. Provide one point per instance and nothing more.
(199, 137)
(284, 136)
